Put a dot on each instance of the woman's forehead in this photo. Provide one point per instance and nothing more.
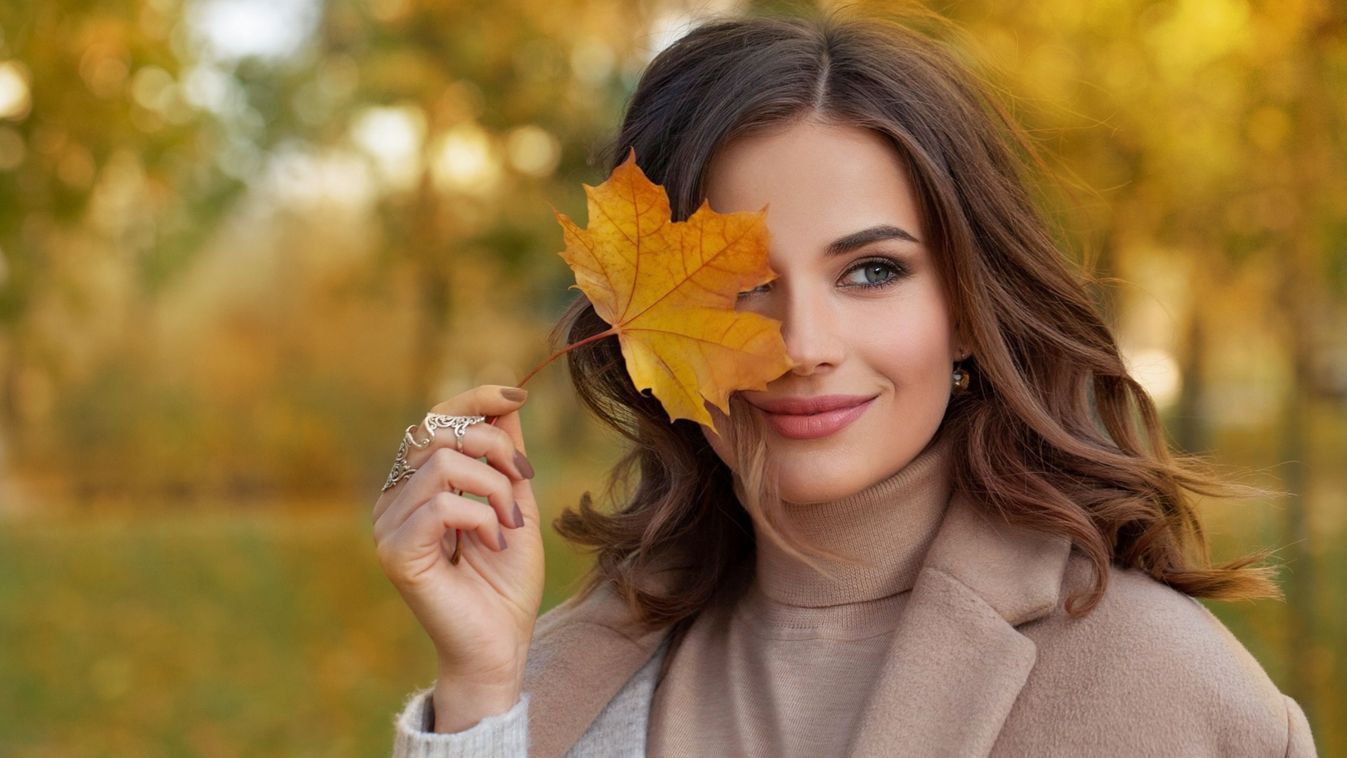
(818, 182)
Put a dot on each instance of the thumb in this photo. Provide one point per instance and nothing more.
(523, 489)
(509, 422)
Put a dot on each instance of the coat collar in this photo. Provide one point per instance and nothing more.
(954, 668)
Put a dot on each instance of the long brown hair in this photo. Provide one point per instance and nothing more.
(1054, 434)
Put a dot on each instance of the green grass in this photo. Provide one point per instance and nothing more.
(223, 633)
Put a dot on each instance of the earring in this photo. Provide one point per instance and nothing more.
(960, 380)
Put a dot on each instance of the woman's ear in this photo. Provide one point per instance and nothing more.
(958, 343)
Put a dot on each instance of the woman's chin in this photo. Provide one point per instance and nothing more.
(798, 489)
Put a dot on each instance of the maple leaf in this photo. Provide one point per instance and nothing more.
(668, 289)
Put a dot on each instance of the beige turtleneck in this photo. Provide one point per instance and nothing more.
(783, 668)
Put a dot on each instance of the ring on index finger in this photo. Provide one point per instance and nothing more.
(401, 468)
(459, 424)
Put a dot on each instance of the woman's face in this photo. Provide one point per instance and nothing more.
(869, 321)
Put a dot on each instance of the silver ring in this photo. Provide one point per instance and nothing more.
(407, 436)
(433, 421)
(400, 468)
(459, 424)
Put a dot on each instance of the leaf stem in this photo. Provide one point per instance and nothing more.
(458, 536)
(567, 349)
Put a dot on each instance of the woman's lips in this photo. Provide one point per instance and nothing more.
(817, 425)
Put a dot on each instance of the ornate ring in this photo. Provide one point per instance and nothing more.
(433, 421)
(459, 424)
(400, 468)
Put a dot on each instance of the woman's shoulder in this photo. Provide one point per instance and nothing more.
(1138, 613)
(1152, 650)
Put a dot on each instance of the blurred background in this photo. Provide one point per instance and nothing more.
(244, 243)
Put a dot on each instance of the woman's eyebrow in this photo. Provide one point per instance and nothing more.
(844, 245)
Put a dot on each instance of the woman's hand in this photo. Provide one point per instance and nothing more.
(480, 612)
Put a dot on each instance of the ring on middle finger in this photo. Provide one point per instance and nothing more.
(415, 442)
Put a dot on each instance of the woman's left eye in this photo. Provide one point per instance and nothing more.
(877, 267)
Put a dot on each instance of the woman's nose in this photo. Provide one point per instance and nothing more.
(811, 330)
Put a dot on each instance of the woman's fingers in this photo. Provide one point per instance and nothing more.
(440, 466)
(417, 539)
(480, 439)
(446, 471)
(504, 451)
(483, 400)
(523, 489)
(483, 438)
(509, 423)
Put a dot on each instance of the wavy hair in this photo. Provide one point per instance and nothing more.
(1054, 434)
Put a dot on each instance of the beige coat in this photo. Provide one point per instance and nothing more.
(985, 662)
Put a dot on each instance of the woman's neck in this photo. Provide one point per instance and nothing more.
(887, 527)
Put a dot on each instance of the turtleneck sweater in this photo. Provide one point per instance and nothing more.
(782, 659)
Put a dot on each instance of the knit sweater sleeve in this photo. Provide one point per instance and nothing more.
(503, 735)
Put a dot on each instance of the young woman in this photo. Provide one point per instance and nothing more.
(952, 528)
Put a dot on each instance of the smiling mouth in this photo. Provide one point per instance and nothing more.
(815, 425)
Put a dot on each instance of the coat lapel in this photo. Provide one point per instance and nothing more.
(954, 669)
(956, 662)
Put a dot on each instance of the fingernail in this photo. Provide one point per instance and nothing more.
(500, 533)
(514, 393)
(518, 516)
(523, 465)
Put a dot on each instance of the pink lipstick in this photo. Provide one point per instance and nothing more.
(812, 417)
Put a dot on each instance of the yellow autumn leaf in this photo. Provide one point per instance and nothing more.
(669, 290)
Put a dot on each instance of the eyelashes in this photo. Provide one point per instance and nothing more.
(897, 272)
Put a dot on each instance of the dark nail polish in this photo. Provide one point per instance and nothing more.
(514, 393)
(500, 533)
(518, 516)
(523, 465)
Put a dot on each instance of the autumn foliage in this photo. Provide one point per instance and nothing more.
(668, 288)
